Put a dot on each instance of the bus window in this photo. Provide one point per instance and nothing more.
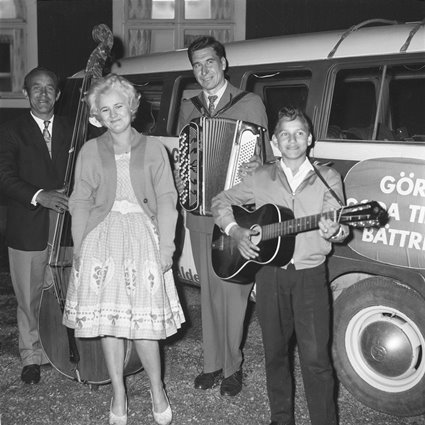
(279, 96)
(353, 104)
(185, 89)
(147, 114)
(398, 91)
(407, 104)
(278, 89)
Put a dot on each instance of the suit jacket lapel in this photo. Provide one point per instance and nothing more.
(201, 98)
(227, 97)
(224, 99)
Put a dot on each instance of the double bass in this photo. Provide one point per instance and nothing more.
(80, 359)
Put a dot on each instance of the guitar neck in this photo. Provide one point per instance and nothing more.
(297, 225)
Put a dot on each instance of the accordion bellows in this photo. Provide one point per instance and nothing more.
(211, 151)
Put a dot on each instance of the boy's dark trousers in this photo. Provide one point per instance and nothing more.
(296, 300)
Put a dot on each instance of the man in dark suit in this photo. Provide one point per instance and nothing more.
(223, 304)
(33, 157)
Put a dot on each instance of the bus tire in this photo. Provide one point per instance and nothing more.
(379, 345)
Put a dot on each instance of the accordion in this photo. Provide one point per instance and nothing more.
(211, 150)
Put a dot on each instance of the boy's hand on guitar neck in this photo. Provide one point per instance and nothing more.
(242, 237)
(328, 228)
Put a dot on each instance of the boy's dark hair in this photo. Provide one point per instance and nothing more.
(204, 42)
(40, 70)
(290, 113)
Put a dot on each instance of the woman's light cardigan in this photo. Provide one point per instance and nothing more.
(96, 181)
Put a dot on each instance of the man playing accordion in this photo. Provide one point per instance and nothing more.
(223, 304)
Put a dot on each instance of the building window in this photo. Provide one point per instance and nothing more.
(12, 25)
(10, 9)
(18, 48)
(163, 9)
(5, 63)
(149, 26)
(195, 9)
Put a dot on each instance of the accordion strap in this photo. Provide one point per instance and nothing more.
(204, 111)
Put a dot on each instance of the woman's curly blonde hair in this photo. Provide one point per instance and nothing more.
(107, 83)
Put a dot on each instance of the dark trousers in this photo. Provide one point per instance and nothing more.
(296, 300)
(223, 305)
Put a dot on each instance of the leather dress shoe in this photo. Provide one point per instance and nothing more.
(205, 381)
(31, 374)
(232, 385)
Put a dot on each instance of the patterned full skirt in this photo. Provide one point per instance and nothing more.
(119, 288)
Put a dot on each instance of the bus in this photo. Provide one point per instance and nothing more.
(364, 90)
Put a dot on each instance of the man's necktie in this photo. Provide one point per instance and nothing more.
(211, 100)
(47, 136)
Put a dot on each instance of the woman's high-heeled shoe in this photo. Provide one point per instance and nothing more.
(165, 417)
(115, 419)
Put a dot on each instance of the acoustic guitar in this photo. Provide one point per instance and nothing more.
(276, 230)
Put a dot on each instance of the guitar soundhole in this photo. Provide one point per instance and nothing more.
(256, 239)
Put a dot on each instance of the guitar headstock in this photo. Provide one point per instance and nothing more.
(367, 214)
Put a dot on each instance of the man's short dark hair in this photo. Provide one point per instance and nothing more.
(40, 70)
(204, 42)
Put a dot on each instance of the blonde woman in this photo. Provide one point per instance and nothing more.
(123, 209)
